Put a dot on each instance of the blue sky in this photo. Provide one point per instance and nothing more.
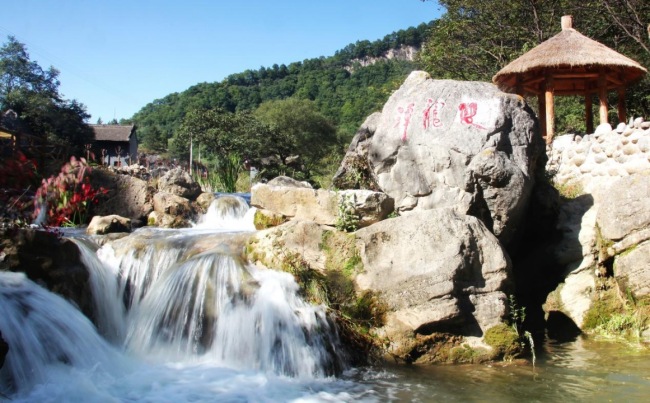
(116, 56)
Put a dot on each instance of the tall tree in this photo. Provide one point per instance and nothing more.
(231, 138)
(300, 131)
(474, 39)
(33, 93)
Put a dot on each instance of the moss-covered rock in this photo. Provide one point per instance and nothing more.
(265, 219)
(438, 348)
(504, 340)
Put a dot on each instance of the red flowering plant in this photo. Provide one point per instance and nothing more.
(18, 181)
(64, 200)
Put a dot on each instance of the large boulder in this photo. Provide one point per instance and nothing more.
(171, 211)
(50, 261)
(127, 196)
(432, 271)
(437, 271)
(626, 207)
(102, 225)
(180, 183)
(465, 145)
(624, 222)
(298, 200)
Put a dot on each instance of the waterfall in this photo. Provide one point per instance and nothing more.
(171, 308)
(43, 330)
(228, 212)
(109, 316)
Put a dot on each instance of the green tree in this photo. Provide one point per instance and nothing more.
(300, 130)
(229, 137)
(474, 39)
(33, 94)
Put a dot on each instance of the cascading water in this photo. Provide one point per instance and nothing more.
(44, 331)
(228, 213)
(184, 305)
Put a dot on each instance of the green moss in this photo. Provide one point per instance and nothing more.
(611, 315)
(466, 354)
(341, 253)
(440, 348)
(263, 220)
(603, 307)
(504, 340)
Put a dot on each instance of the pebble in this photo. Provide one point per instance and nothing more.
(637, 122)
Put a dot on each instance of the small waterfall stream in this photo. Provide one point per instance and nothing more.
(43, 330)
(183, 298)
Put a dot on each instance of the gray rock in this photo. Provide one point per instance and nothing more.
(319, 205)
(355, 172)
(127, 196)
(370, 207)
(466, 145)
(205, 200)
(435, 269)
(637, 122)
(632, 270)
(102, 225)
(178, 182)
(289, 182)
(296, 202)
(168, 203)
(624, 207)
(603, 128)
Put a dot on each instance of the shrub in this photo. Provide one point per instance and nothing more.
(347, 219)
(63, 200)
(18, 181)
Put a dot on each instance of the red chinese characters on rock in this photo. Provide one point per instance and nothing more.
(431, 113)
(404, 118)
(467, 113)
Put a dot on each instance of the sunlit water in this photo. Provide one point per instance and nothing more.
(181, 318)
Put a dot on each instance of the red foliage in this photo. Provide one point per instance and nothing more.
(18, 180)
(66, 196)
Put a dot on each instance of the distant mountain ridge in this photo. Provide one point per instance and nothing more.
(345, 87)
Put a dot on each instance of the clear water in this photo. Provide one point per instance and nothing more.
(183, 319)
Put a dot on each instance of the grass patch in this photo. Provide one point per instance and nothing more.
(614, 315)
(570, 189)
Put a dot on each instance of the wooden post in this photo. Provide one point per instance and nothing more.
(602, 97)
(589, 113)
(550, 110)
(541, 105)
(622, 117)
(519, 88)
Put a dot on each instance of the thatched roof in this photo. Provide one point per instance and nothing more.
(570, 53)
(10, 123)
(112, 132)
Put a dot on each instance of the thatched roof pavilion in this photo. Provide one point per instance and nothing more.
(570, 64)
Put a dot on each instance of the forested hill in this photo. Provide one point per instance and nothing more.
(345, 87)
